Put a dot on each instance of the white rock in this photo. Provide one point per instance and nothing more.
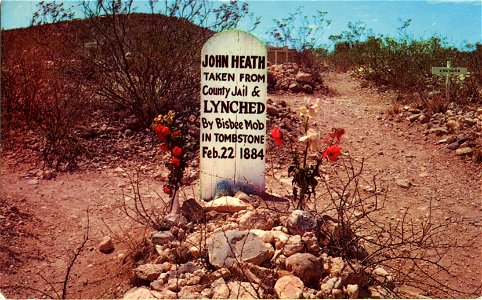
(352, 290)
(337, 266)
(403, 183)
(138, 293)
(106, 245)
(289, 287)
(227, 204)
(227, 247)
(266, 236)
(293, 245)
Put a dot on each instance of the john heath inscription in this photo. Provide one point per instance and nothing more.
(233, 111)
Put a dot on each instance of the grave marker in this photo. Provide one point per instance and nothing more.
(233, 111)
(447, 71)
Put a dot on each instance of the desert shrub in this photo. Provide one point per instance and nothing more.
(404, 63)
(38, 95)
(301, 33)
(148, 64)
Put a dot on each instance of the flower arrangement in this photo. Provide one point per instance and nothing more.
(176, 141)
(305, 173)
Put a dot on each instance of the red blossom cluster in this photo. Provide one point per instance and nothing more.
(333, 152)
(173, 142)
(277, 136)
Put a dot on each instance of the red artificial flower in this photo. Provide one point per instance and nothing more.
(176, 133)
(165, 131)
(164, 147)
(332, 153)
(162, 132)
(337, 134)
(276, 134)
(166, 190)
(177, 151)
(175, 161)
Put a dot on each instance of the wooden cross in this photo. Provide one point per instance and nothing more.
(447, 71)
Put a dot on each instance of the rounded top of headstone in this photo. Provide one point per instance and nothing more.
(230, 37)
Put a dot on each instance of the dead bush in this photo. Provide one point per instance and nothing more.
(413, 249)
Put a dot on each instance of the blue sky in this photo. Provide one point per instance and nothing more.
(460, 21)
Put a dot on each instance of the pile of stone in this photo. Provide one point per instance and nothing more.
(459, 129)
(227, 248)
(290, 77)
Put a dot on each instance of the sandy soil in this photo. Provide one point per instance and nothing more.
(43, 221)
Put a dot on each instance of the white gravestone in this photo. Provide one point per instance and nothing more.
(233, 111)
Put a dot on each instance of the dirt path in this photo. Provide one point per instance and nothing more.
(44, 220)
(401, 152)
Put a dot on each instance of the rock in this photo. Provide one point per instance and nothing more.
(470, 121)
(352, 291)
(453, 146)
(189, 267)
(175, 284)
(207, 293)
(33, 181)
(337, 293)
(382, 276)
(138, 293)
(354, 273)
(162, 237)
(49, 174)
(225, 246)
(106, 245)
(220, 273)
(379, 292)
(304, 77)
(158, 284)
(164, 294)
(171, 220)
(403, 183)
(413, 118)
(328, 285)
(235, 290)
(438, 131)
(258, 219)
(292, 246)
(463, 151)
(423, 119)
(289, 287)
(453, 125)
(243, 196)
(151, 272)
(266, 236)
(306, 266)
(311, 242)
(306, 88)
(165, 254)
(264, 277)
(191, 292)
(279, 238)
(272, 110)
(192, 210)
(337, 266)
(294, 87)
(300, 222)
(226, 204)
